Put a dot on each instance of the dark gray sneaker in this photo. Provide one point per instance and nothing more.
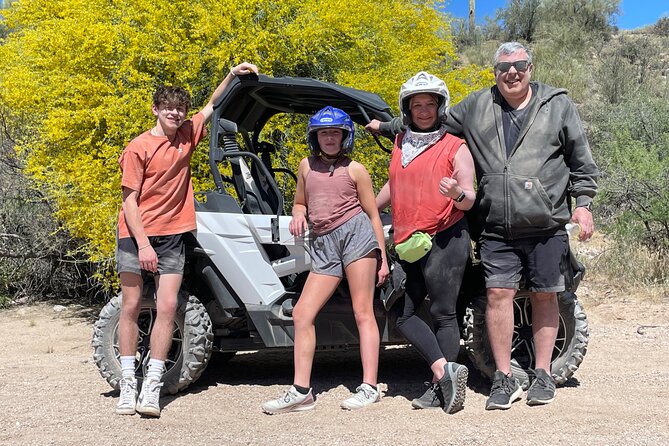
(504, 391)
(542, 389)
(430, 398)
(452, 387)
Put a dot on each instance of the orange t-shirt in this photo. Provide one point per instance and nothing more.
(158, 168)
(414, 190)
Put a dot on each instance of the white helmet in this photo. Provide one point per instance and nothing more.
(424, 82)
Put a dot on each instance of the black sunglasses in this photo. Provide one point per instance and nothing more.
(521, 66)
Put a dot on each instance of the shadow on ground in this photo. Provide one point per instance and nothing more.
(400, 368)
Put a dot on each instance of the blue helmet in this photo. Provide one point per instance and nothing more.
(327, 118)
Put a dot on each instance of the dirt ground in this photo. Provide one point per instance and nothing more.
(52, 394)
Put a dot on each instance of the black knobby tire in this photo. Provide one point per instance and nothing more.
(187, 358)
(570, 346)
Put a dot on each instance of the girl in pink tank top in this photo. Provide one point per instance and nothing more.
(334, 194)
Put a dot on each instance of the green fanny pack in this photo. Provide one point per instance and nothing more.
(415, 247)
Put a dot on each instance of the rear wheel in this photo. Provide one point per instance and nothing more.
(189, 353)
(570, 345)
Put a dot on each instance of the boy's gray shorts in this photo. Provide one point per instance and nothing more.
(332, 252)
(170, 249)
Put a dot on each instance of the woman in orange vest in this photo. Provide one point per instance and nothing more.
(431, 184)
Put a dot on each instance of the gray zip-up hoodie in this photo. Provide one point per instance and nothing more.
(528, 193)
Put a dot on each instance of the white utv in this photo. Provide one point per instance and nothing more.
(245, 271)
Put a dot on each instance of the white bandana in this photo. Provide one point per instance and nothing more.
(414, 143)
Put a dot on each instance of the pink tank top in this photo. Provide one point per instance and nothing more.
(331, 194)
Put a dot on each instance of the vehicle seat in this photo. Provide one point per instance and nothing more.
(257, 193)
(258, 198)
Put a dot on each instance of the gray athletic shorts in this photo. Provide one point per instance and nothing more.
(332, 252)
(170, 249)
(538, 259)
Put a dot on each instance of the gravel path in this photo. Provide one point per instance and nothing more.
(52, 394)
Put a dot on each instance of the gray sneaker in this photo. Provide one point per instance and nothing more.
(430, 398)
(504, 391)
(290, 401)
(364, 396)
(128, 397)
(542, 389)
(453, 386)
(148, 402)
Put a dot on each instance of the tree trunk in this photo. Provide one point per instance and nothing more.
(472, 21)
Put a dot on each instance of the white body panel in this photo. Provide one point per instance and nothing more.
(234, 244)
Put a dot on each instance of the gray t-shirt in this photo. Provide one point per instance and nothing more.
(514, 121)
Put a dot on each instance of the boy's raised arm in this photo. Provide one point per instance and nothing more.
(242, 68)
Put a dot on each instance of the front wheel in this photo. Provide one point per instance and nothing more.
(570, 345)
(189, 354)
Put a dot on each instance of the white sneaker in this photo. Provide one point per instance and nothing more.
(148, 401)
(364, 396)
(128, 398)
(290, 401)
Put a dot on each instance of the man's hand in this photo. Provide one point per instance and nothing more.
(583, 217)
(373, 127)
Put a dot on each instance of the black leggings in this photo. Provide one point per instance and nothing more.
(439, 275)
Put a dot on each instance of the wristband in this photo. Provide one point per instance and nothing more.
(145, 246)
(232, 73)
(460, 197)
(588, 206)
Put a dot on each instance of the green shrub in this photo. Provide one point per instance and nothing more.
(559, 67)
(661, 28)
(628, 264)
(632, 141)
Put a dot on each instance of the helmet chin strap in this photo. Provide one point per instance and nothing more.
(331, 157)
(334, 158)
(434, 128)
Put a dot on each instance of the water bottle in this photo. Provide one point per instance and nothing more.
(573, 230)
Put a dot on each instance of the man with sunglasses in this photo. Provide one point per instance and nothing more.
(532, 159)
